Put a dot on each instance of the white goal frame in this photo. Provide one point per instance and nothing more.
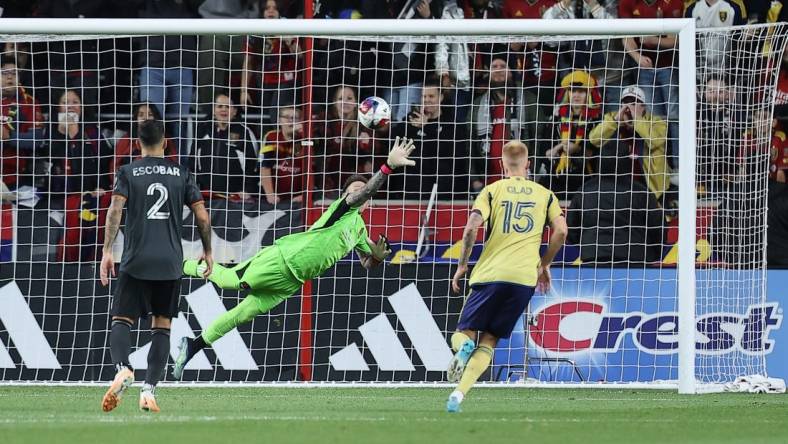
(684, 28)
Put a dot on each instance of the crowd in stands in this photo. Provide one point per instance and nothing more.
(598, 115)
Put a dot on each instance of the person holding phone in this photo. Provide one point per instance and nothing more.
(444, 148)
(78, 154)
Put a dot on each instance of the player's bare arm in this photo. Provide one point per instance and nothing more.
(114, 215)
(203, 221)
(469, 234)
(559, 231)
(398, 157)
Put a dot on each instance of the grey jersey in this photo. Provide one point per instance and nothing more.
(156, 190)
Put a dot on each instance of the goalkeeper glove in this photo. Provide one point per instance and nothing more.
(382, 249)
(398, 156)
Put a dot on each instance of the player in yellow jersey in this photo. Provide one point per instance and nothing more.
(515, 211)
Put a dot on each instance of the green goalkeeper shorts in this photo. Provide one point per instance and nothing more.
(267, 276)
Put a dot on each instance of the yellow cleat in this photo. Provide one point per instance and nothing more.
(123, 380)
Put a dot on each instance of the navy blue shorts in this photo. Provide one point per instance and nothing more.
(495, 308)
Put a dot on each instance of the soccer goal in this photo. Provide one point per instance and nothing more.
(656, 137)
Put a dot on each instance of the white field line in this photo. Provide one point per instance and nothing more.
(149, 419)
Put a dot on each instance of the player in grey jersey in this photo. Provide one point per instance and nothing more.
(154, 191)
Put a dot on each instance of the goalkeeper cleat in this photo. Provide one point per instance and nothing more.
(148, 400)
(194, 268)
(182, 359)
(123, 380)
(457, 363)
(453, 404)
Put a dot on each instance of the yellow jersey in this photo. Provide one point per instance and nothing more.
(516, 211)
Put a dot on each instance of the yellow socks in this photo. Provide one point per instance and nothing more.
(477, 364)
(457, 339)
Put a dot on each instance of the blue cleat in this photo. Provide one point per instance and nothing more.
(457, 363)
(453, 404)
(182, 359)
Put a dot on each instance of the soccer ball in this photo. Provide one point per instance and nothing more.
(374, 113)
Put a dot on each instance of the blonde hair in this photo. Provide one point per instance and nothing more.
(515, 153)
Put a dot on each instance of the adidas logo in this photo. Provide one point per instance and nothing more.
(231, 351)
(382, 341)
(24, 332)
(36, 353)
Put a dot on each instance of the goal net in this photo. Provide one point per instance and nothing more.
(268, 124)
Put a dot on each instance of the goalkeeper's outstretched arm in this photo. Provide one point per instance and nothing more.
(398, 157)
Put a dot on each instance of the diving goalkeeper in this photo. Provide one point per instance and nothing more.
(278, 271)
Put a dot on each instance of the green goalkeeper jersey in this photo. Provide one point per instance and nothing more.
(338, 231)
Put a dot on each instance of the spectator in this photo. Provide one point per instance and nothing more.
(764, 136)
(347, 147)
(168, 69)
(777, 231)
(715, 14)
(563, 151)
(767, 11)
(21, 123)
(128, 148)
(270, 68)
(79, 175)
(601, 57)
(480, 9)
(480, 52)
(742, 205)
(642, 135)
(778, 153)
(19, 51)
(657, 60)
(411, 61)
(282, 168)
(580, 54)
(452, 65)
(77, 152)
(538, 60)
(502, 113)
(443, 153)
(221, 54)
(613, 219)
(717, 129)
(366, 64)
(69, 64)
(526, 9)
(225, 155)
(781, 95)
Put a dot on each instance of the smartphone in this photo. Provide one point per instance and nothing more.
(70, 117)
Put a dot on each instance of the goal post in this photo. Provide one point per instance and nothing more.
(687, 208)
(391, 324)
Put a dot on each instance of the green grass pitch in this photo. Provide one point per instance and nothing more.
(390, 415)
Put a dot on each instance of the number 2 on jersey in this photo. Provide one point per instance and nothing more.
(517, 211)
(153, 211)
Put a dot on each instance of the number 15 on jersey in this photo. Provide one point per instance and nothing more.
(516, 216)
